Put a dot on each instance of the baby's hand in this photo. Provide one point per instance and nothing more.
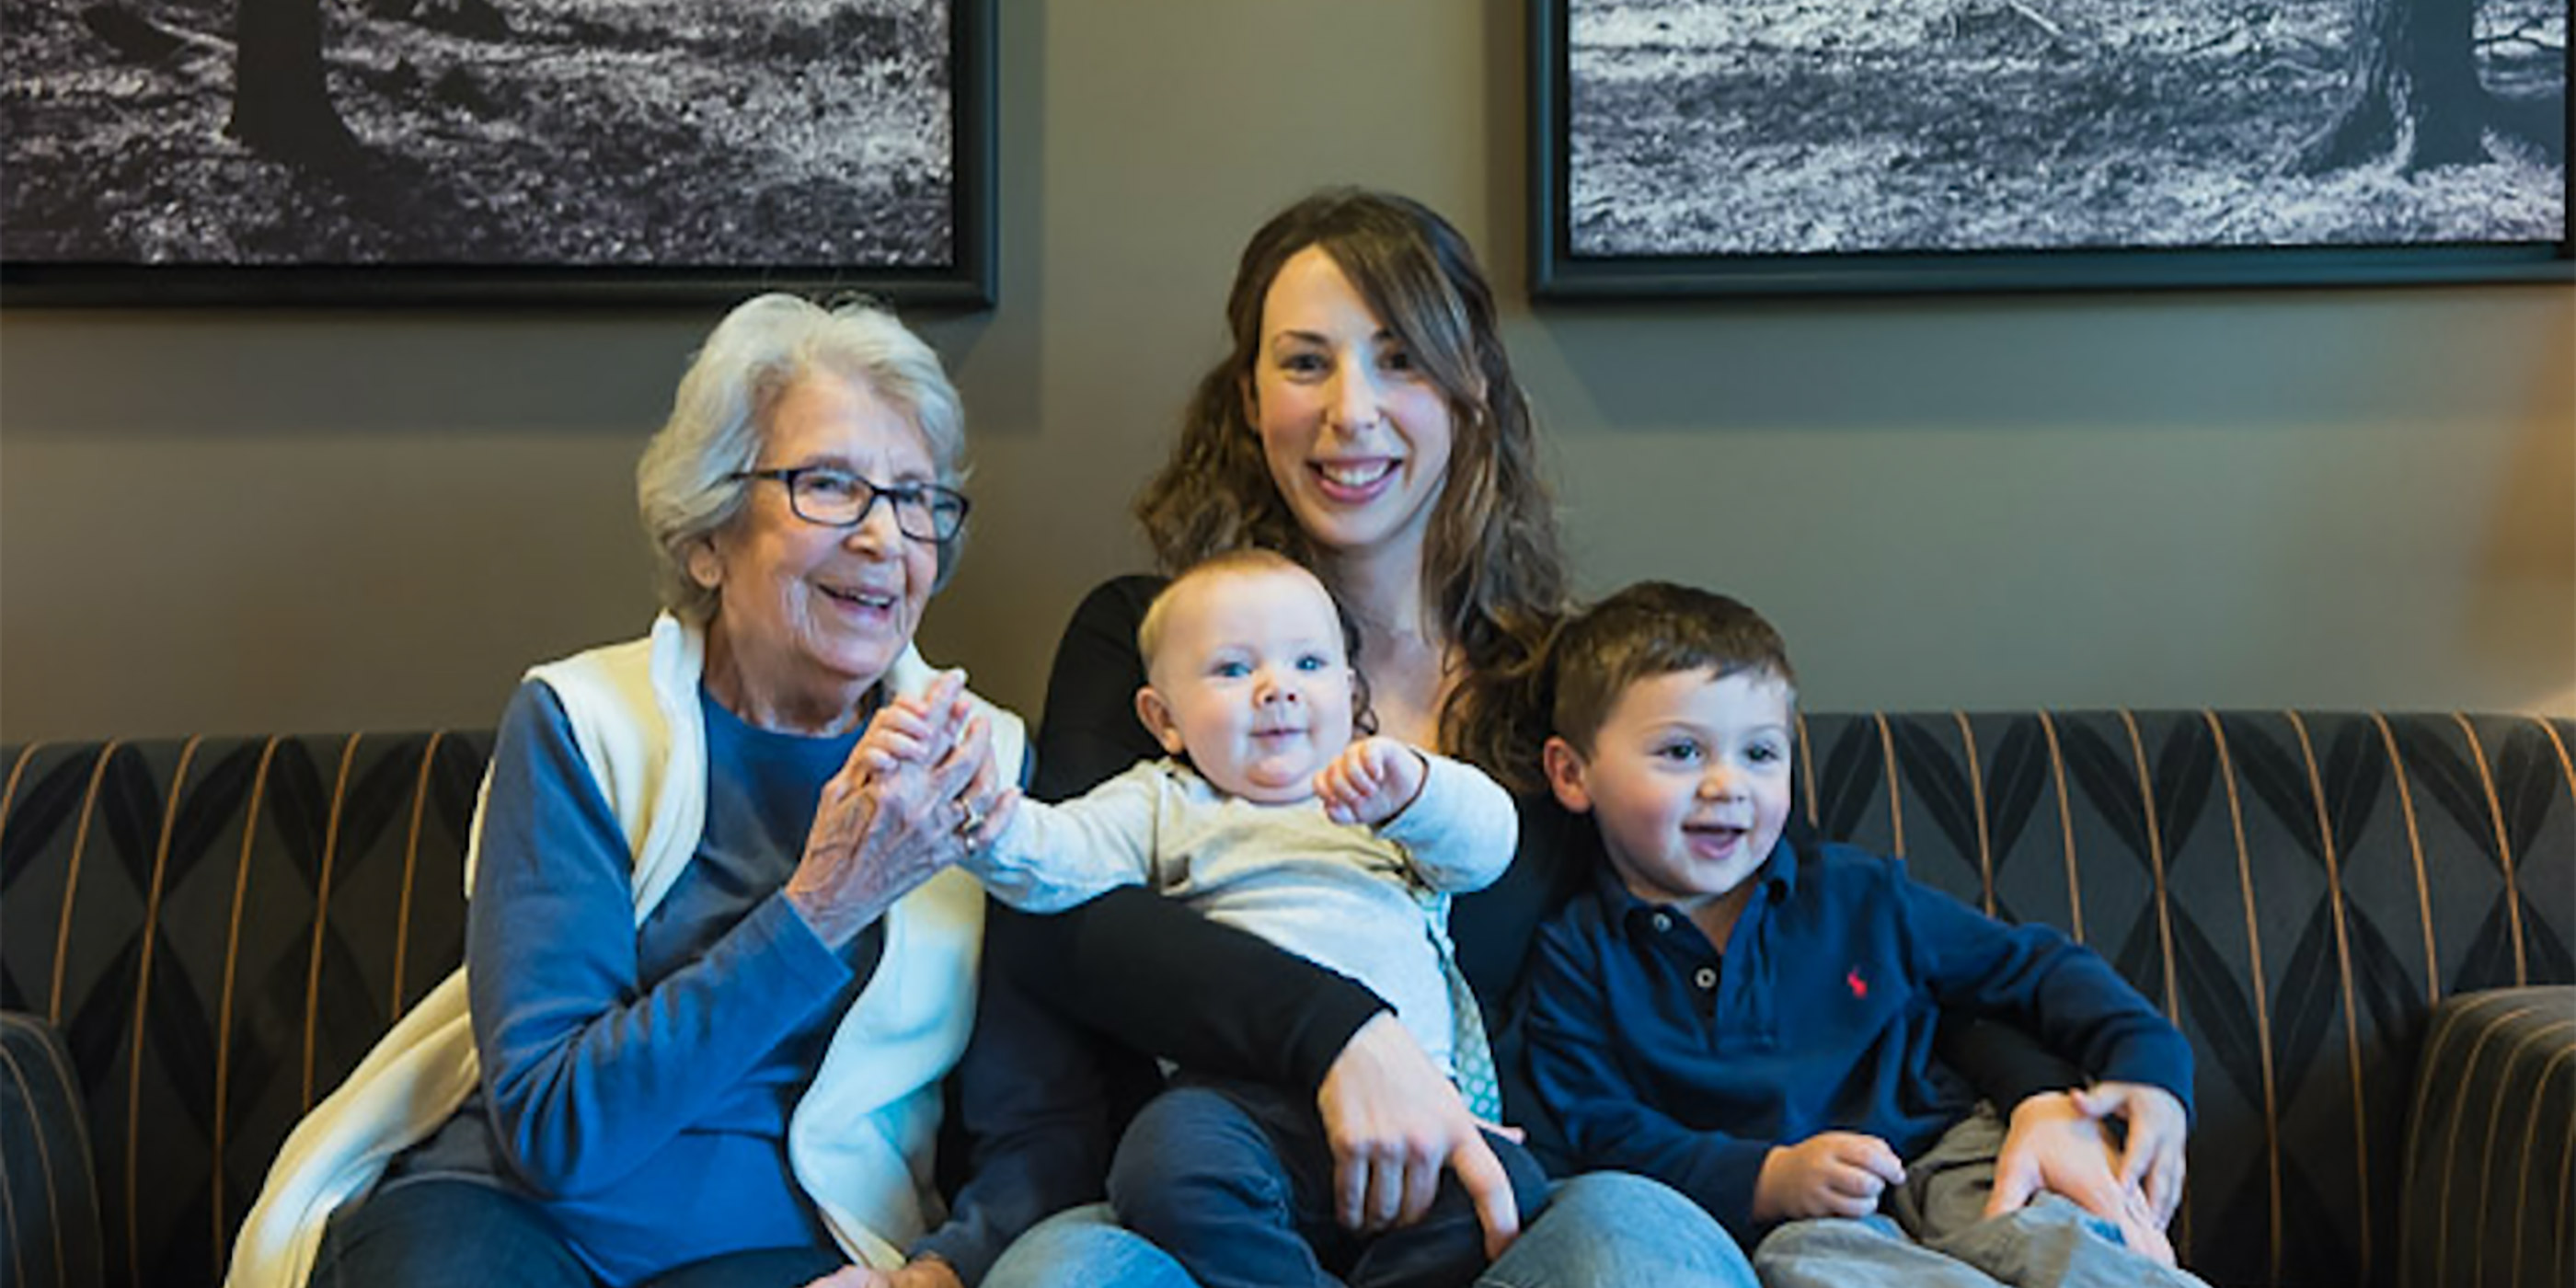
(917, 729)
(1835, 1173)
(1371, 781)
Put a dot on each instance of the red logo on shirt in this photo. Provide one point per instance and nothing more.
(1853, 981)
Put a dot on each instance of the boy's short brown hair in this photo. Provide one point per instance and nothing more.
(1652, 628)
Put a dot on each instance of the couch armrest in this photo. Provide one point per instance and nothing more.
(2487, 1197)
(48, 1192)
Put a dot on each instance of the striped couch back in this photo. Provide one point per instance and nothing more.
(221, 927)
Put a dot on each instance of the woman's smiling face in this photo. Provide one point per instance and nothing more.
(1356, 434)
(809, 616)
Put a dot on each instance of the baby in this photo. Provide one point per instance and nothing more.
(1271, 816)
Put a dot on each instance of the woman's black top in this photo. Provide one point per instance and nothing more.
(1149, 974)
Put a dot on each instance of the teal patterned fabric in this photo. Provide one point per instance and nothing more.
(2296, 890)
(48, 1194)
(2489, 1139)
(220, 928)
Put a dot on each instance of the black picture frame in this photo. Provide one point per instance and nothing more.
(1562, 270)
(966, 281)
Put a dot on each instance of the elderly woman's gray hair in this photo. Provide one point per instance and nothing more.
(685, 487)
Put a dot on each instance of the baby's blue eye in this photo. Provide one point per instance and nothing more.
(1229, 670)
(1313, 662)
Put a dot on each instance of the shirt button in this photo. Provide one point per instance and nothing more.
(1706, 977)
(1663, 921)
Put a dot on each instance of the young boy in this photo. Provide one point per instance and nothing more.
(1271, 817)
(1751, 1022)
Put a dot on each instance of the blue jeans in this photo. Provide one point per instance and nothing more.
(1600, 1230)
(460, 1234)
(1235, 1180)
(2050, 1244)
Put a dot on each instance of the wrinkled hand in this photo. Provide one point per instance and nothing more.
(890, 818)
(928, 1272)
(1394, 1122)
(2151, 1157)
(2054, 1144)
(1834, 1173)
(1373, 780)
(918, 729)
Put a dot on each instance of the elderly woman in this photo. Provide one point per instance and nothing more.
(717, 960)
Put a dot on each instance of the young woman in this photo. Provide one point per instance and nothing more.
(1367, 423)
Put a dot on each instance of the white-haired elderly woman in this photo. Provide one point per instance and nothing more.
(717, 958)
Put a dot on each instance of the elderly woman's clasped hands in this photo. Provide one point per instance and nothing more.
(917, 794)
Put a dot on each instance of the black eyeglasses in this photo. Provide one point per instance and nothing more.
(836, 498)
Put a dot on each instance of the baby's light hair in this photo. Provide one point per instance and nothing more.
(1248, 561)
(1251, 559)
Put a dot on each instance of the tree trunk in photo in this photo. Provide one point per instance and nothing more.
(2412, 90)
(280, 105)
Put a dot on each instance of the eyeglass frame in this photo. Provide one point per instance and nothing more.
(788, 476)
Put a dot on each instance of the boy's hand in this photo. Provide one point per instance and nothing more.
(1835, 1173)
(2151, 1160)
(2054, 1145)
(1371, 781)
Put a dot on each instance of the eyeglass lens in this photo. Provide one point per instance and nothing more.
(922, 512)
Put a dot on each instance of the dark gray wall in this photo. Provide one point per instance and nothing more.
(251, 520)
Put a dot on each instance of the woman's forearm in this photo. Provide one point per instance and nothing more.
(1160, 977)
(588, 1068)
(1134, 965)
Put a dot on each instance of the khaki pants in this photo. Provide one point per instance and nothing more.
(1932, 1230)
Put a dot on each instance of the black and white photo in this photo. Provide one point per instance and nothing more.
(1838, 143)
(351, 150)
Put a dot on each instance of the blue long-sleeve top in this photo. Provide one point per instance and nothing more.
(637, 1080)
(1662, 1056)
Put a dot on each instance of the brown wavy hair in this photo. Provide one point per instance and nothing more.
(1493, 570)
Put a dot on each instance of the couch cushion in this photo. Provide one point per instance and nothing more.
(2489, 1134)
(2295, 889)
(48, 1196)
(220, 928)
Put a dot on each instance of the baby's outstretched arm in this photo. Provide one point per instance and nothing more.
(1372, 781)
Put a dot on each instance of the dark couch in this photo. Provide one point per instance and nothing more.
(2347, 913)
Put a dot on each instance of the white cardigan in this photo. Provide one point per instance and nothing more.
(859, 1140)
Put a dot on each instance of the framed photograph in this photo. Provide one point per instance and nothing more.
(1777, 146)
(516, 152)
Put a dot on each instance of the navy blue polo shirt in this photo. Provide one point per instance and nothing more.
(1661, 1056)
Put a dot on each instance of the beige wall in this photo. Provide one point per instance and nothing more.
(246, 520)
